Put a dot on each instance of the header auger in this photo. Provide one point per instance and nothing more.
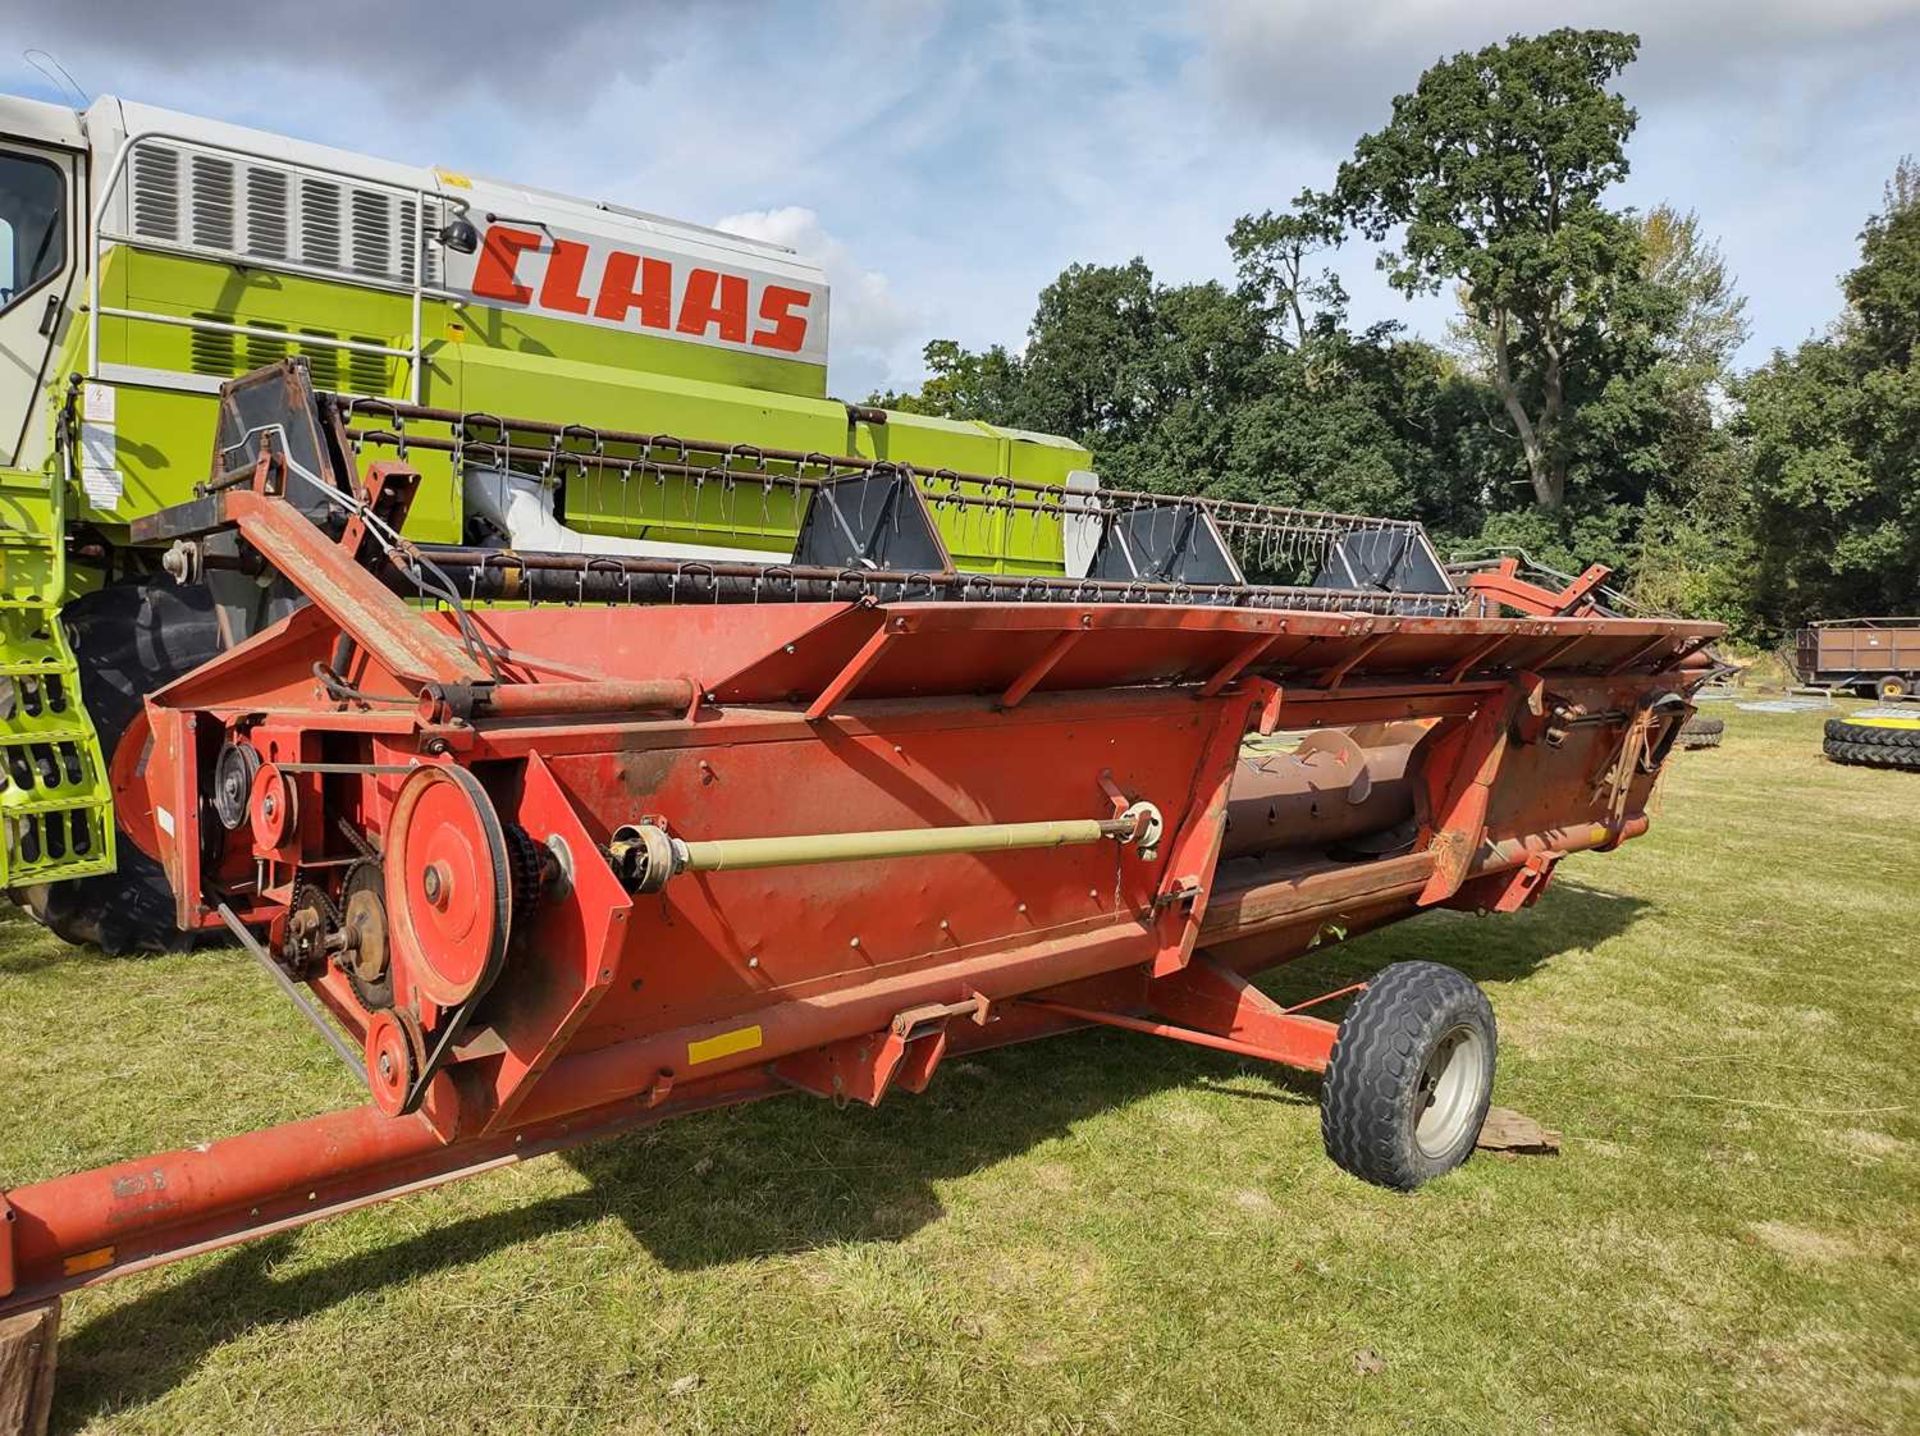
(544, 872)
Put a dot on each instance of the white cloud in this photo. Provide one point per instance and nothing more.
(873, 336)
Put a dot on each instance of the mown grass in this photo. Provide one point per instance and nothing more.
(1102, 1233)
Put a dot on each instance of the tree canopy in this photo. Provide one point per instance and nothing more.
(1583, 406)
(1833, 436)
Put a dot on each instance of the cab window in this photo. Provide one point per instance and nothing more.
(33, 232)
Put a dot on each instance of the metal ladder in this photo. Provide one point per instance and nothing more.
(56, 804)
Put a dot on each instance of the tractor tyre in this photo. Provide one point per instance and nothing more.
(1700, 732)
(1410, 1077)
(129, 639)
(1874, 742)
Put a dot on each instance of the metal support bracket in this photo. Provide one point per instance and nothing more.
(864, 1069)
(1213, 1006)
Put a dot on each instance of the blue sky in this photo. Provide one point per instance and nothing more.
(945, 159)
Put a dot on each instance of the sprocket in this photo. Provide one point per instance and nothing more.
(367, 958)
(526, 863)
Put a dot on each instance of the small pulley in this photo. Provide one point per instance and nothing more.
(449, 885)
(396, 1053)
(273, 807)
(233, 773)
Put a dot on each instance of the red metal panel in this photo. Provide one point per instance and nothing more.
(1195, 848)
(576, 941)
(719, 942)
(1460, 770)
(379, 620)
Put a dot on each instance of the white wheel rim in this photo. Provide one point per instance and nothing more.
(1448, 1094)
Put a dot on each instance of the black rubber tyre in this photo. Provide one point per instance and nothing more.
(1411, 1075)
(1892, 687)
(1698, 732)
(129, 638)
(1872, 745)
(1875, 735)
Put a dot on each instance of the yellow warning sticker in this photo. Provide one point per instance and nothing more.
(710, 1049)
(88, 1261)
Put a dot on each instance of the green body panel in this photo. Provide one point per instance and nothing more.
(1001, 539)
(529, 366)
(476, 359)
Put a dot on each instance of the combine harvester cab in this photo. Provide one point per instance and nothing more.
(662, 834)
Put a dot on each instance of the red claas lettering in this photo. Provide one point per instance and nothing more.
(654, 297)
(700, 308)
(561, 288)
(778, 306)
(633, 288)
(499, 256)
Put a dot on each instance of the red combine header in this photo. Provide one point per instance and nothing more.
(647, 835)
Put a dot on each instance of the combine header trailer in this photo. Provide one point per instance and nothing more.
(569, 773)
(664, 834)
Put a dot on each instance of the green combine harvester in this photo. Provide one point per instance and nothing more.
(566, 375)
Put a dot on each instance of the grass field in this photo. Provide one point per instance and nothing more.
(1104, 1233)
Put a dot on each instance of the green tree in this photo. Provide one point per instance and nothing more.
(1710, 322)
(1833, 437)
(1491, 171)
(1692, 551)
(961, 384)
(1369, 423)
(1274, 255)
(1146, 375)
(1884, 291)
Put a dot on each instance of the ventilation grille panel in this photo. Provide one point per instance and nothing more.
(320, 223)
(253, 211)
(156, 193)
(269, 203)
(211, 206)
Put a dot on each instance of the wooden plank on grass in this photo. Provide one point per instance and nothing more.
(29, 1341)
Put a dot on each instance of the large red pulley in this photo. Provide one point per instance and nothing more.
(449, 887)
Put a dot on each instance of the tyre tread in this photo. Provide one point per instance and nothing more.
(1375, 1065)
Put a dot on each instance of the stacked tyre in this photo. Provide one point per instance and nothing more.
(1700, 732)
(1874, 742)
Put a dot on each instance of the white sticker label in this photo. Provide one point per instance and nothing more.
(96, 446)
(99, 471)
(105, 487)
(98, 404)
(164, 819)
